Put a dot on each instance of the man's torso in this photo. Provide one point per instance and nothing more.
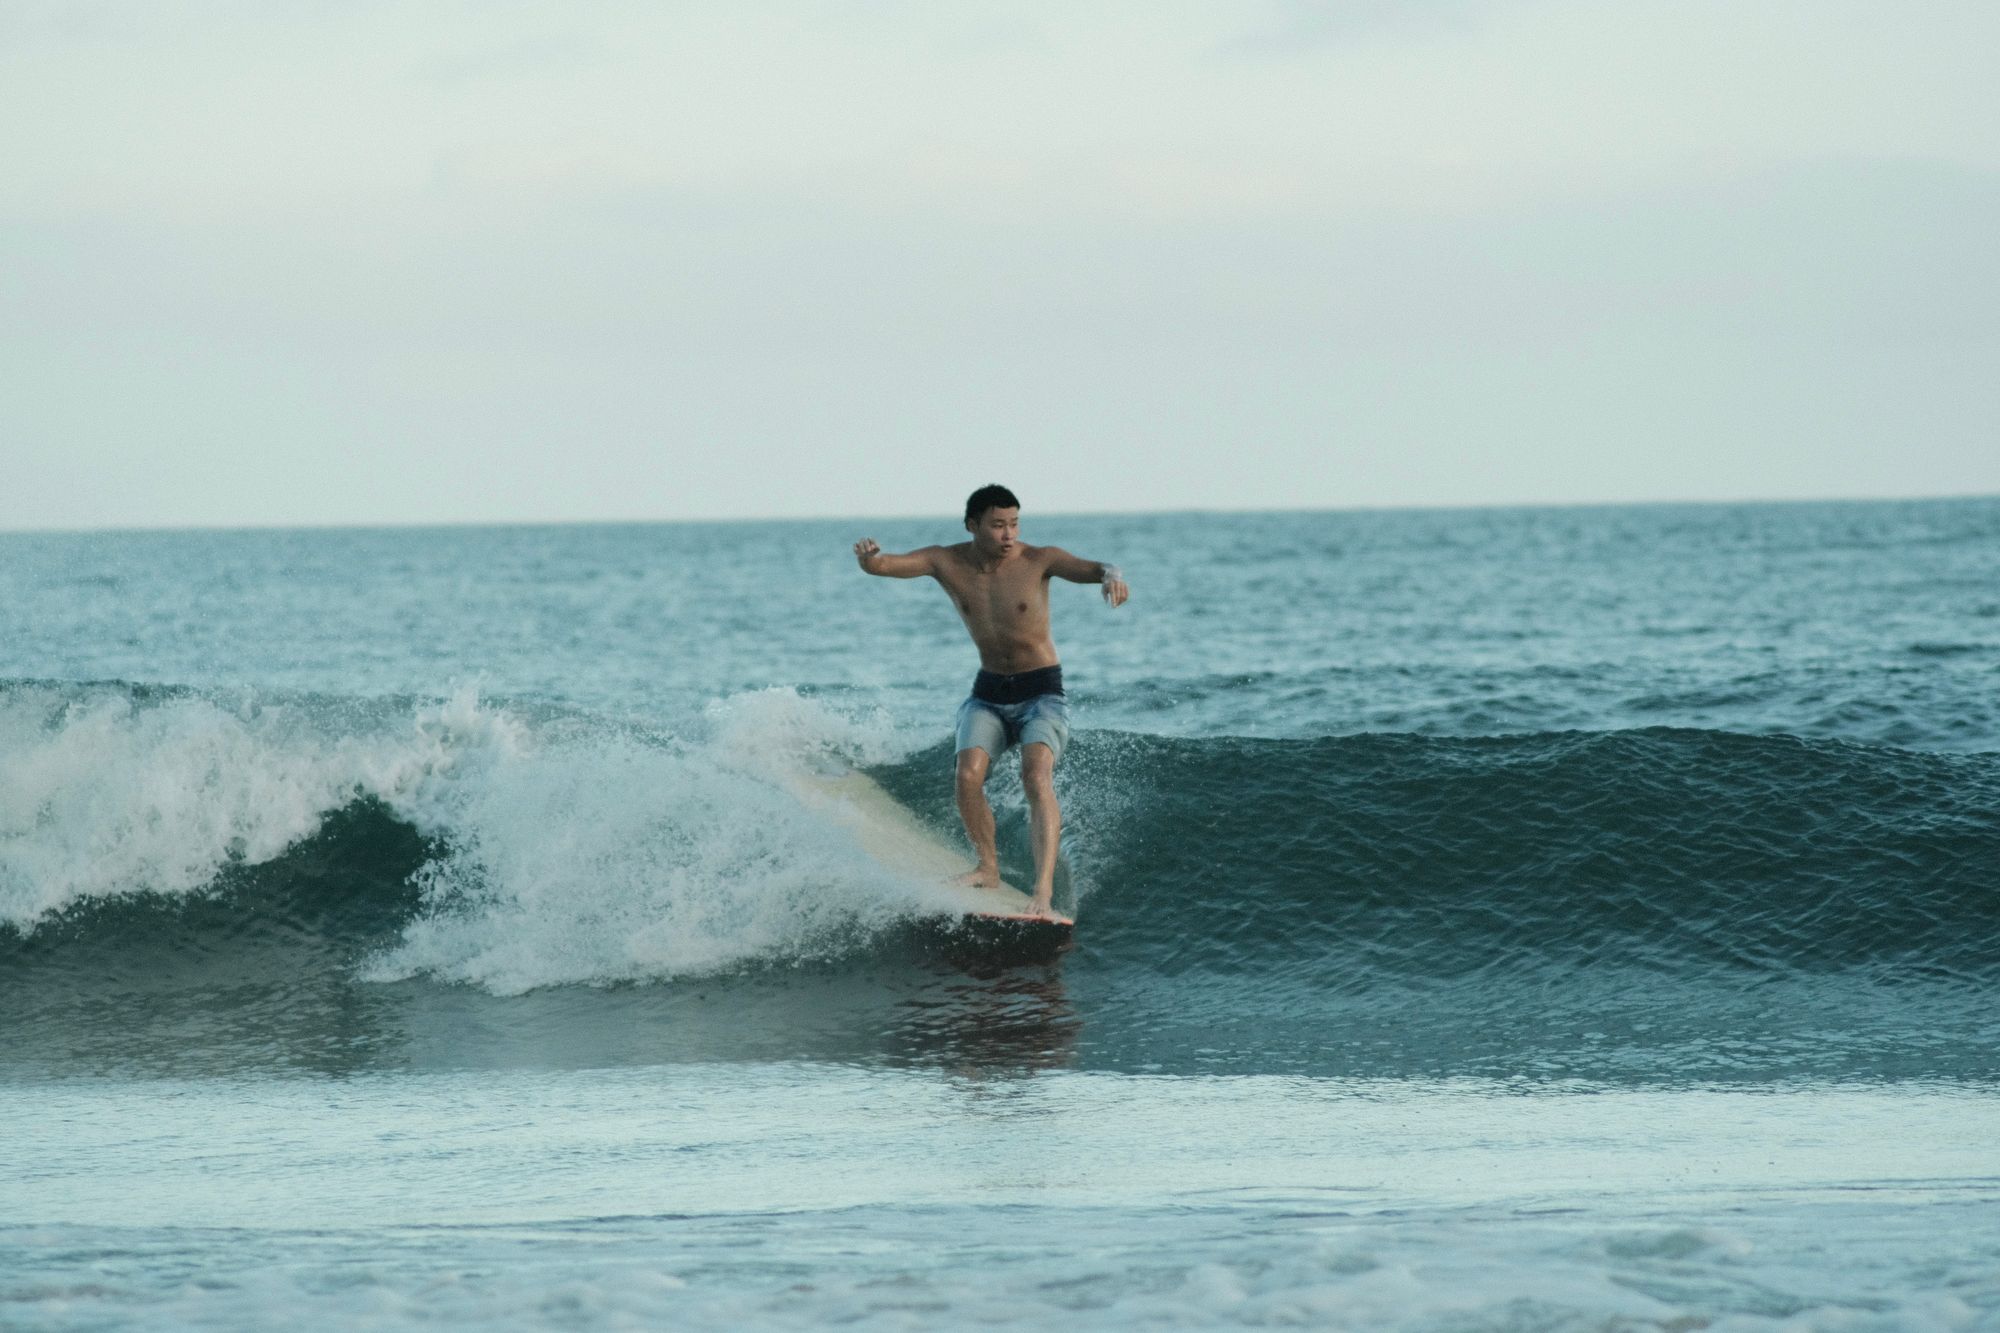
(1005, 608)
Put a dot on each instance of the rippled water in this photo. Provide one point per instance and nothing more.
(1490, 919)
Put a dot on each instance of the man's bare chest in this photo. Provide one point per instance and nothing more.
(1001, 596)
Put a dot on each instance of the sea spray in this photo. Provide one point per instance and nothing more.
(110, 790)
(604, 858)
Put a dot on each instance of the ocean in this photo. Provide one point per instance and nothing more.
(1575, 918)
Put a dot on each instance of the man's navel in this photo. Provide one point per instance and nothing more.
(1020, 606)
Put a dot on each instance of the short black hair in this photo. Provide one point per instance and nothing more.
(993, 496)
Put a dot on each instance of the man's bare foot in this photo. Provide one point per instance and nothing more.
(1044, 908)
(980, 877)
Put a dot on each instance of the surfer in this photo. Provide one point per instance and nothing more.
(1000, 585)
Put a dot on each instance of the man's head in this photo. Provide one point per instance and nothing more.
(993, 517)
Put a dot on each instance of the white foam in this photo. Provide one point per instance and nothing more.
(602, 859)
(102, 796)
(570, 853)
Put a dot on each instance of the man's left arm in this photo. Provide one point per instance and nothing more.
(1076, 569)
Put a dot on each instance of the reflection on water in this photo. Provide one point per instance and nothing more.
(200, 1004)
(1002, 1023)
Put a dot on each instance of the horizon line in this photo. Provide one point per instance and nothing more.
(1470, 506)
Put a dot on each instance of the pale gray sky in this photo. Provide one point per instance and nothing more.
(351, 262)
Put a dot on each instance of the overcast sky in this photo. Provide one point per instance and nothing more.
(332, 261)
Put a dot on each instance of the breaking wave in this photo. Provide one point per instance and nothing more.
(474, 843)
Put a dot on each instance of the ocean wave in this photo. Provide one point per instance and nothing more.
(112, 789)
(469, 842)
(559, 852)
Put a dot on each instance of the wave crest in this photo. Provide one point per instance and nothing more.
(109, 790)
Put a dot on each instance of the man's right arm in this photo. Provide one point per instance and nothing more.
(911, 565)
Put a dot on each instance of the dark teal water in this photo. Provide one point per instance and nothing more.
(1604, 846)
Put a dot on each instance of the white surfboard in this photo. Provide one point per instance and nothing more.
(891, 833)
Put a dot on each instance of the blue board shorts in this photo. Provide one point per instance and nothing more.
(991, 721)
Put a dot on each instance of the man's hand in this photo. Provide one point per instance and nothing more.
(864, 551)
(1115, 591)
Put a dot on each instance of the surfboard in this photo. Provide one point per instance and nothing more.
(998, 921)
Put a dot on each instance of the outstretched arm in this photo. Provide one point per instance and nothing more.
(1063, 565)
(912, 565)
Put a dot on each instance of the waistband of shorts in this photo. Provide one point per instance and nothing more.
(993, 688)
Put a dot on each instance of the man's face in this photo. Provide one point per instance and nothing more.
(996, 532)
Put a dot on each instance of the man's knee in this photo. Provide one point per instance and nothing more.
(972, 766)
(1038, 771)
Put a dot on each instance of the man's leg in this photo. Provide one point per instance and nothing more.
(1038, 778)
(978, 817)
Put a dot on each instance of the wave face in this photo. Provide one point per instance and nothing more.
(1349, 857)
(1637, 905)
(1447, 904)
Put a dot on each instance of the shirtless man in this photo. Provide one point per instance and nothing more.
(1000, 586)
